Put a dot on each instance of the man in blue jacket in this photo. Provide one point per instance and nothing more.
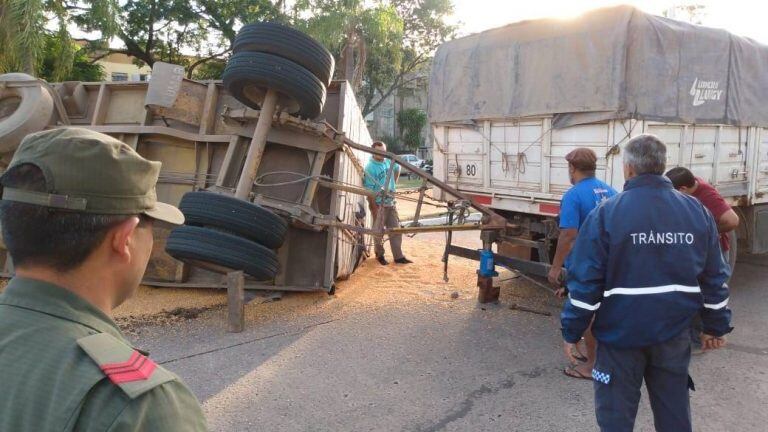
(644, 263)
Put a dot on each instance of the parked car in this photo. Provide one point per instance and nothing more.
(413, 160)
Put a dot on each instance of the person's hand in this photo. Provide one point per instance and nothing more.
(709, 342)
(554, 276)
(568, 349)
(561, 293)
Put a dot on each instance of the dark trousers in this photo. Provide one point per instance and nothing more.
(389, 219)
(619, 373)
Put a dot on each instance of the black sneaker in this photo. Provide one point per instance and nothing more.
(403, 260)
(382, 260)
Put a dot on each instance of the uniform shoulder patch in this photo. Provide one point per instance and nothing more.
(127, 368)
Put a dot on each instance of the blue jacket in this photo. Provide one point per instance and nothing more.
(645, 262)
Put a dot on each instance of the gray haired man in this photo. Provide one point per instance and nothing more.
(644, 264)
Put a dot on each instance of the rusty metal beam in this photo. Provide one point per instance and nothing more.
(317, 169)
(417, 214)
(495, 220)
(346, 188)
(435, 228)
(402, 230)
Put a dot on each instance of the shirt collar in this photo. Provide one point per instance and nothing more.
(56, 301)
(648, 180)
(584, 179)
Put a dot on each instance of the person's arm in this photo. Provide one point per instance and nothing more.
(569, 224)
(397, 171)
(728, 221)
(370, 184)
(586, 279)
(564, 245)
(169, 407)
(715, 316)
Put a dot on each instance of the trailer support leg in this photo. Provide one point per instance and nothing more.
(236, 301)
(487, 293)
(256, 150)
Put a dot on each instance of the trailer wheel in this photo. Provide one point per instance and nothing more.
(248, 75)
(288, 43)
(239, 217)
(221, 252)
(23, 110)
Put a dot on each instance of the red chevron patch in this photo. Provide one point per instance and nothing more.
(137, 368)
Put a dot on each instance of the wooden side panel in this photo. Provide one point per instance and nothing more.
(346, 204)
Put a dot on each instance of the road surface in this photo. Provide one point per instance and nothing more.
(398, 349)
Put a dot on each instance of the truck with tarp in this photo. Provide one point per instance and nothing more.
(508, 104)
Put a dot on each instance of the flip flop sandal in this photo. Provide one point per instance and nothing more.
(572, 372)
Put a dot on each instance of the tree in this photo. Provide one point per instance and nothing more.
(387, 42)
(190, 33)
(24, 30)
(424, 29)
(411, 122)
(22, 26)
(80, 67)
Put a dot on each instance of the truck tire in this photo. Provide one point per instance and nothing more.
(288, 43)
(242, 218)
(23, 110)
(226, 251)
(249, 74)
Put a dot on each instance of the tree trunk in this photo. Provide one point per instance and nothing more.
(28, 63)
(349, 60)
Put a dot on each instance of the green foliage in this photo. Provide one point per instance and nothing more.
(212, 70)
(411, 122)
(22, 26)
(61, 51)
(386, 40)
(394, 144)
(398, 38)
(24, 31)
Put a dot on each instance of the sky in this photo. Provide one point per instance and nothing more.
(741, 17)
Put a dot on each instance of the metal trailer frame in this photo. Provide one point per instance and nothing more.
(177, 120)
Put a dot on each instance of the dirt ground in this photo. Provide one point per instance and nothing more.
(370, 284)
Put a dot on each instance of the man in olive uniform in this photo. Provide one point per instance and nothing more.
(77, 213)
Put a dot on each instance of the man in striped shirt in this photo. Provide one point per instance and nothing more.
(644, 264)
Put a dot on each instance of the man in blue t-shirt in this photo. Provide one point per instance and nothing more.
(586, 194)
(375, 179)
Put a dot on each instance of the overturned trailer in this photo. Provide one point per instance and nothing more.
(201, 138)
(267, 165)
(508, 104)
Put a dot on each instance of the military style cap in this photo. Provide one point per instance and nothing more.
(583, 159)
(87, 171)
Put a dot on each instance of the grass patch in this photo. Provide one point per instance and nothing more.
(406, 183)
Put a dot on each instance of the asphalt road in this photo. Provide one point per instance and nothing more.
(421, 361)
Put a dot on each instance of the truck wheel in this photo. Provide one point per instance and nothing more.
(288, 43)
(242, 218)
(221, 252)
(248, 75)
(23, 110)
